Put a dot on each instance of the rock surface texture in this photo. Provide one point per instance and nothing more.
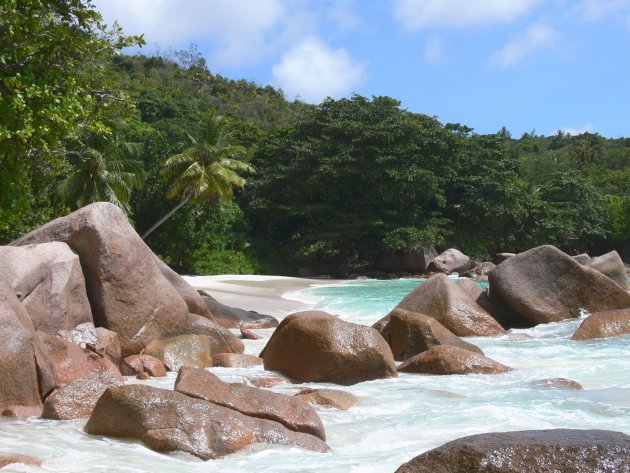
(450, 261)
(334, 398)
(168, 421)
(447, 359)
(441, 298)
(545, 285)
(185, 350)
(127, 291)
(606, 324)
(317, 347)
(530, 451)
(231, 317)
(612, 266)
(295, 414)
(50, 284)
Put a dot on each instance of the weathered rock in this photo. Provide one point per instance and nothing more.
(341, 400)
(605, 324)
(557, 383)
(25, 373)
(77, 399)
(70, 362)
(49, 282)
(317, 347)
(134, 365)
(235, 360)
(231, 317)
(169, 421)
(479, 270)
(97, 339)
(184, 350)
(529, 451)
(441, 298)
(447, 359)
(127, 291)
(221, 339)
(582, 258)
(501, 257)
(248, 334)
(414, 260)
(294, 414)
(450, 261)
(268, 381)
(411, 333)
(612, 266)
(194, 301)
(9, 458)
(545, 285)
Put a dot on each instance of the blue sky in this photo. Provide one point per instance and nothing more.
(540, 65)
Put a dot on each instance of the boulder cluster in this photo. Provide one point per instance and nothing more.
(84, 303)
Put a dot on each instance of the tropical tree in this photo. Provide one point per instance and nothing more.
(105, 171)
(207, 170)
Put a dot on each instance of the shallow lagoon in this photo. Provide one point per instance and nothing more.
(396, 419)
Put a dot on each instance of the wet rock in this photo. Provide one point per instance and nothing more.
(24, 370)
(328, 397)
(411, 333)
(99, 340)
(294, 414)
(185, 350)
(545, 285)
(169, 421)
(127, 291)
(612, 266)
(70, 362)
(441, 298)
(529, 451)
(268, 381)
(605, 324)
(248, 334)
(77, 399)
(450, 261)
(231, 317)
(447, 359)
(557, 383)
(137, 364)
(235, 360)
(221, 339)
(10, 458)
(318, 347)
(50, 282)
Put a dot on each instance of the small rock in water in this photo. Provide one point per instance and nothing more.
(557, 383)
(328, 397)
(9, 458)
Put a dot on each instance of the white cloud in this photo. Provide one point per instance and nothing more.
(420, 14)
(240, 28)
(588, 128)
(434, 50)
(342, 13)
(595, 10)
(314, 71)
(537, 36)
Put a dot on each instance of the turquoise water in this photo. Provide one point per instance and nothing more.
(395, 419)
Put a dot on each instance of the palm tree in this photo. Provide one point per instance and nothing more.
(102, 171)
(206, 171)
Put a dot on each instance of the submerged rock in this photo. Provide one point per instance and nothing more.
(235, 360)
(328, 397)
(9, 458)
(168, 421)
(557, 383)
(606, 324)
(318, 347)
(441, 298)
(295, 414)
(528, 451)
(447, 359)
(545, 285)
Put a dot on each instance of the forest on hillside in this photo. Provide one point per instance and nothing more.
(253, 182)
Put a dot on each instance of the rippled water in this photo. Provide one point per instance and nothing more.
(396, 419)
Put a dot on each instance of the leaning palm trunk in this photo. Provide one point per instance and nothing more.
(167, 216)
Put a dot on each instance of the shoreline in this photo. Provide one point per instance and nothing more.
(259, 293)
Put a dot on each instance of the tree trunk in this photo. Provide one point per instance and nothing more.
(167, 216)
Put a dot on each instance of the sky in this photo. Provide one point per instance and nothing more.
(527, 65)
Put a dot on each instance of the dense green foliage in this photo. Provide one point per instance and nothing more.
(336, 186)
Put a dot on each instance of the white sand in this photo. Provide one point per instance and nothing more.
(269, 295)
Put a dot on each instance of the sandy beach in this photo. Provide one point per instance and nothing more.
(265, 294)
